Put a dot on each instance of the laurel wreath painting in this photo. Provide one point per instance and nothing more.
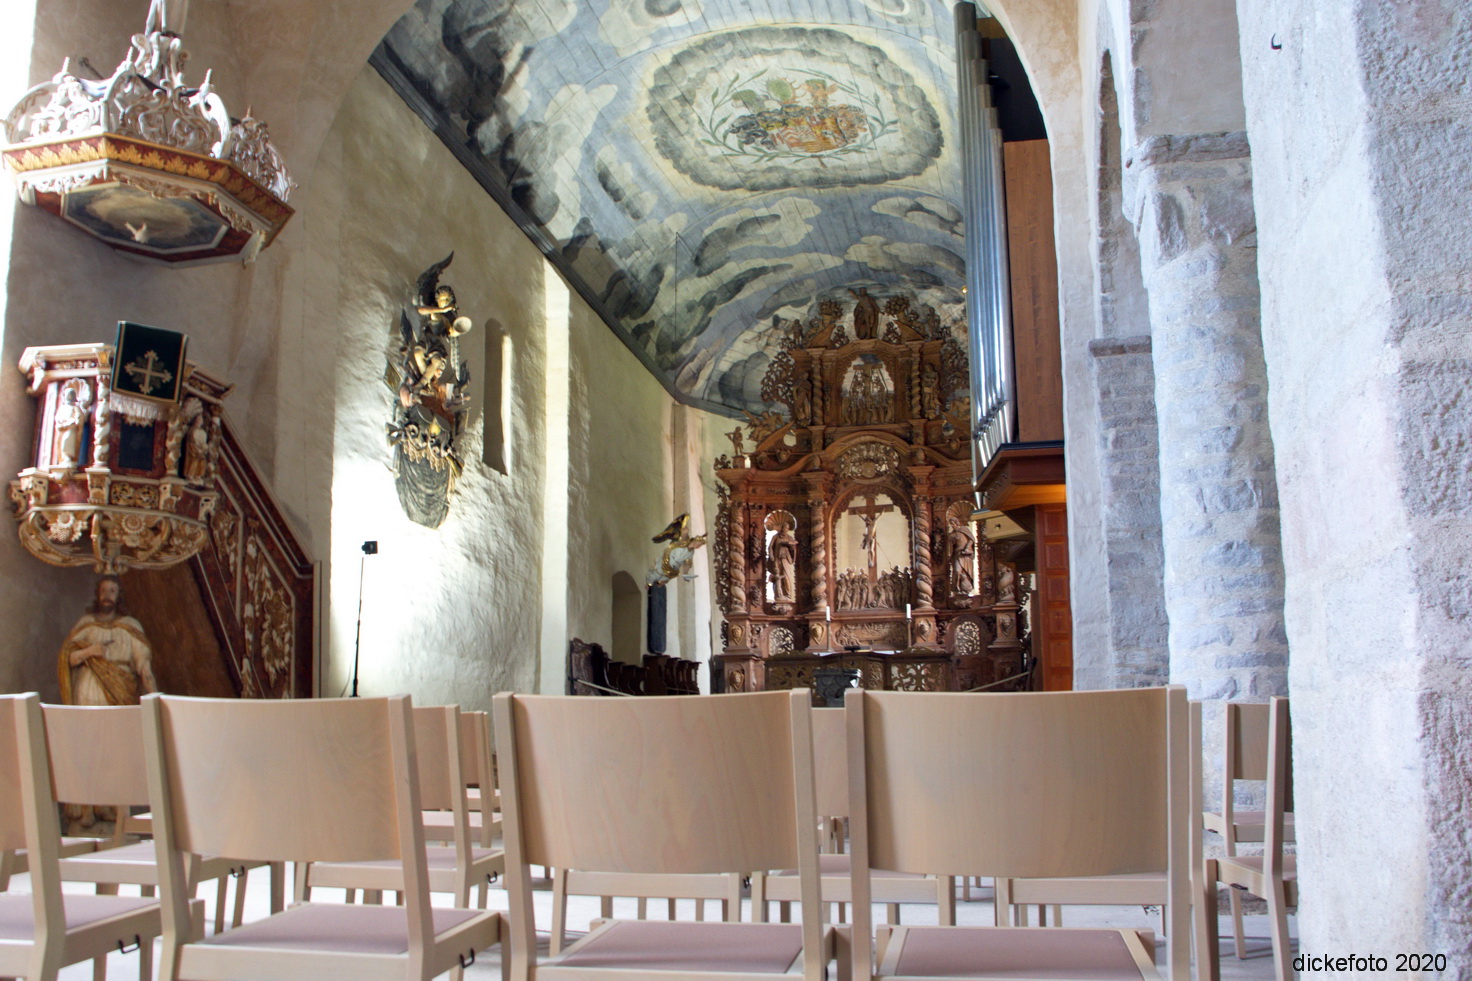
(793, 116)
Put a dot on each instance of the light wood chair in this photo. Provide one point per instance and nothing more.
(478, 769)
(830, 776)
(329, 780)
(1150, 888)
(443, 779)
(1244, 759)
(45, 931)
(119, 777)
(1047, 785)
(1271, 875)
(701, 786)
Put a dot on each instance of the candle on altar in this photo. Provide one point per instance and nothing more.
(907, 611)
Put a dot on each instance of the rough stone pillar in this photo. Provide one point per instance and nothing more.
(1129, 477)
(1223, 581)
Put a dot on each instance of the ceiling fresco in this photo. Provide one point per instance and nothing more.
(705, 170)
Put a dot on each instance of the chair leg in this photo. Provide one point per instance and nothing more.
(1002, 901)
(99, 968)
(1208, 953)
(945, 913)
(559, 913)
(1235, 899)
(240, 886)
(220, 885)
(892, 914)
(1058, 916)
(278, 886)
(145, 961)
(301, 890)
(1278, 912)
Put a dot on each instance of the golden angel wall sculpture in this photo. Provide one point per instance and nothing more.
(431, 385)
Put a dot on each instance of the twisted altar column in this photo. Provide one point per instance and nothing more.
(924, 577)
(819, 541)
(736, 558)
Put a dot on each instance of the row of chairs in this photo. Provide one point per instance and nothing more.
(936, 785)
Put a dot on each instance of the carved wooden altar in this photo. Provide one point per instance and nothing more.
(847, 521)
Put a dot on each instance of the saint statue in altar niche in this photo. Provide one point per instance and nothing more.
(105, 660)
(866, 314)
(782, 552)
(961, 549)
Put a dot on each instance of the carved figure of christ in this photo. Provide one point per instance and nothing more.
(869, 514)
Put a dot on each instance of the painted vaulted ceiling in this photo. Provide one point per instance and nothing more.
(705, 169)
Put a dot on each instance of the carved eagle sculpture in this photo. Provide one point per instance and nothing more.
(679, 551)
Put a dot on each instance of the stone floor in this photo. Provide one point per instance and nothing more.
(1257, 967)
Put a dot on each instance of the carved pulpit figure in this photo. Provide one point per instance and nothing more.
(71, 416)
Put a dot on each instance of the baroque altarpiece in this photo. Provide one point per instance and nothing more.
(844, 535)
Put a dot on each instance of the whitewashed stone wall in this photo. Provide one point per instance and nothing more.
(1361, 127)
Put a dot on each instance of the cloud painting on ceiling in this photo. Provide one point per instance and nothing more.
(703, 169)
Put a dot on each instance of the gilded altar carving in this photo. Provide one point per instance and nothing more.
(780, 641)
(868, 461)
(844, 508)
(889, 635)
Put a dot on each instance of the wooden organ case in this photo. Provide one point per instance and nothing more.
(846, 523)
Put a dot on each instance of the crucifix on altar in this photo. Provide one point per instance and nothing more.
(869, 513)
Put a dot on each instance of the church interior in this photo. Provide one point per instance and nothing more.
(609, 348)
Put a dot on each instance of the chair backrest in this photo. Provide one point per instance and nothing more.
(1280, 781)
(475, 749)
(1020, 785)
(719, 783)
(309, 780)
(97, 754)
(438, 757)
(1247, 742)
(28, 820)
(830, 762)
(1035, 785)
(697, 785)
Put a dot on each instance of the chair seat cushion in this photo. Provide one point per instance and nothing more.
(1254, 864)
(339, 929)
(765, 948)
(1013, 952)
(436, 858)
(1250, 824)
(17, 911)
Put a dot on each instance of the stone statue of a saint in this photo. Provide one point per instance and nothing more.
(962, 550)
(783, 550)
(106, 658)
